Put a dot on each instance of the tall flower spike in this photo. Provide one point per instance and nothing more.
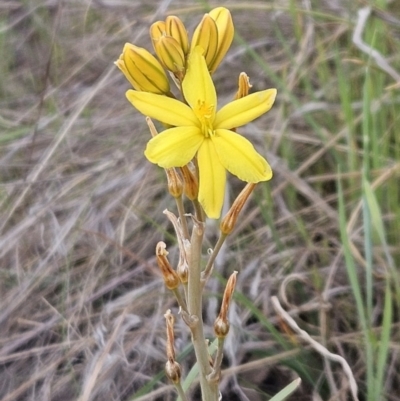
(143, 70)
(203, 132)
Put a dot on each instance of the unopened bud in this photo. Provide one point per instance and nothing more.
(225, 28)
(229, 221)
(157, 30)
(170, 276)
(175, 28)
(243, 86)
(191, 187)
(170, 54)
(143, 70)
(206, 36)
(221, 325)
(175, 184)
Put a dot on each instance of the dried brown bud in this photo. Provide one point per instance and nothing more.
(175, 184)
(170, 276)
(221, 325)
(183, 271)
(243, 86)
(191, 188)
(173, 371)
(172, 368)
(169, 320)
(228, 222)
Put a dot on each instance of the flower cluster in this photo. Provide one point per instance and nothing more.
(196, 131)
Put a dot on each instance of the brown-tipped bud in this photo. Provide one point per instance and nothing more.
(191, 187)
(175, 28)
(170, 276)
(243, 86)
(175, 183)
(228, 222)
(173, 371)
(221, 325)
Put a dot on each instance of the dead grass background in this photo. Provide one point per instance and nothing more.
(82, 303)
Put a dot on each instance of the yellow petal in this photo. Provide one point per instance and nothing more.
(174, 147)
(162, 108)
(212, 178)
(242, 111)
(239, 157)
(197, 85)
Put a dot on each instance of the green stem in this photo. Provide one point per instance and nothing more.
(181, 392)
(215, 375)
(208, 270)
(209, 390)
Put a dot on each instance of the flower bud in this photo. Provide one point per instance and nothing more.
(170, 54)
(228, 222)
(224, 23)
(174, 27)
(170, 276)
(206, 36)
(157, 30)
(142, 70)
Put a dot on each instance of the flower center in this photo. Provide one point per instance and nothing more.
(205, 114)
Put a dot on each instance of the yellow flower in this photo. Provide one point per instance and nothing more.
(200, 130)
(142, 70)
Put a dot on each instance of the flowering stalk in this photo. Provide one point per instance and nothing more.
(197, 148)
